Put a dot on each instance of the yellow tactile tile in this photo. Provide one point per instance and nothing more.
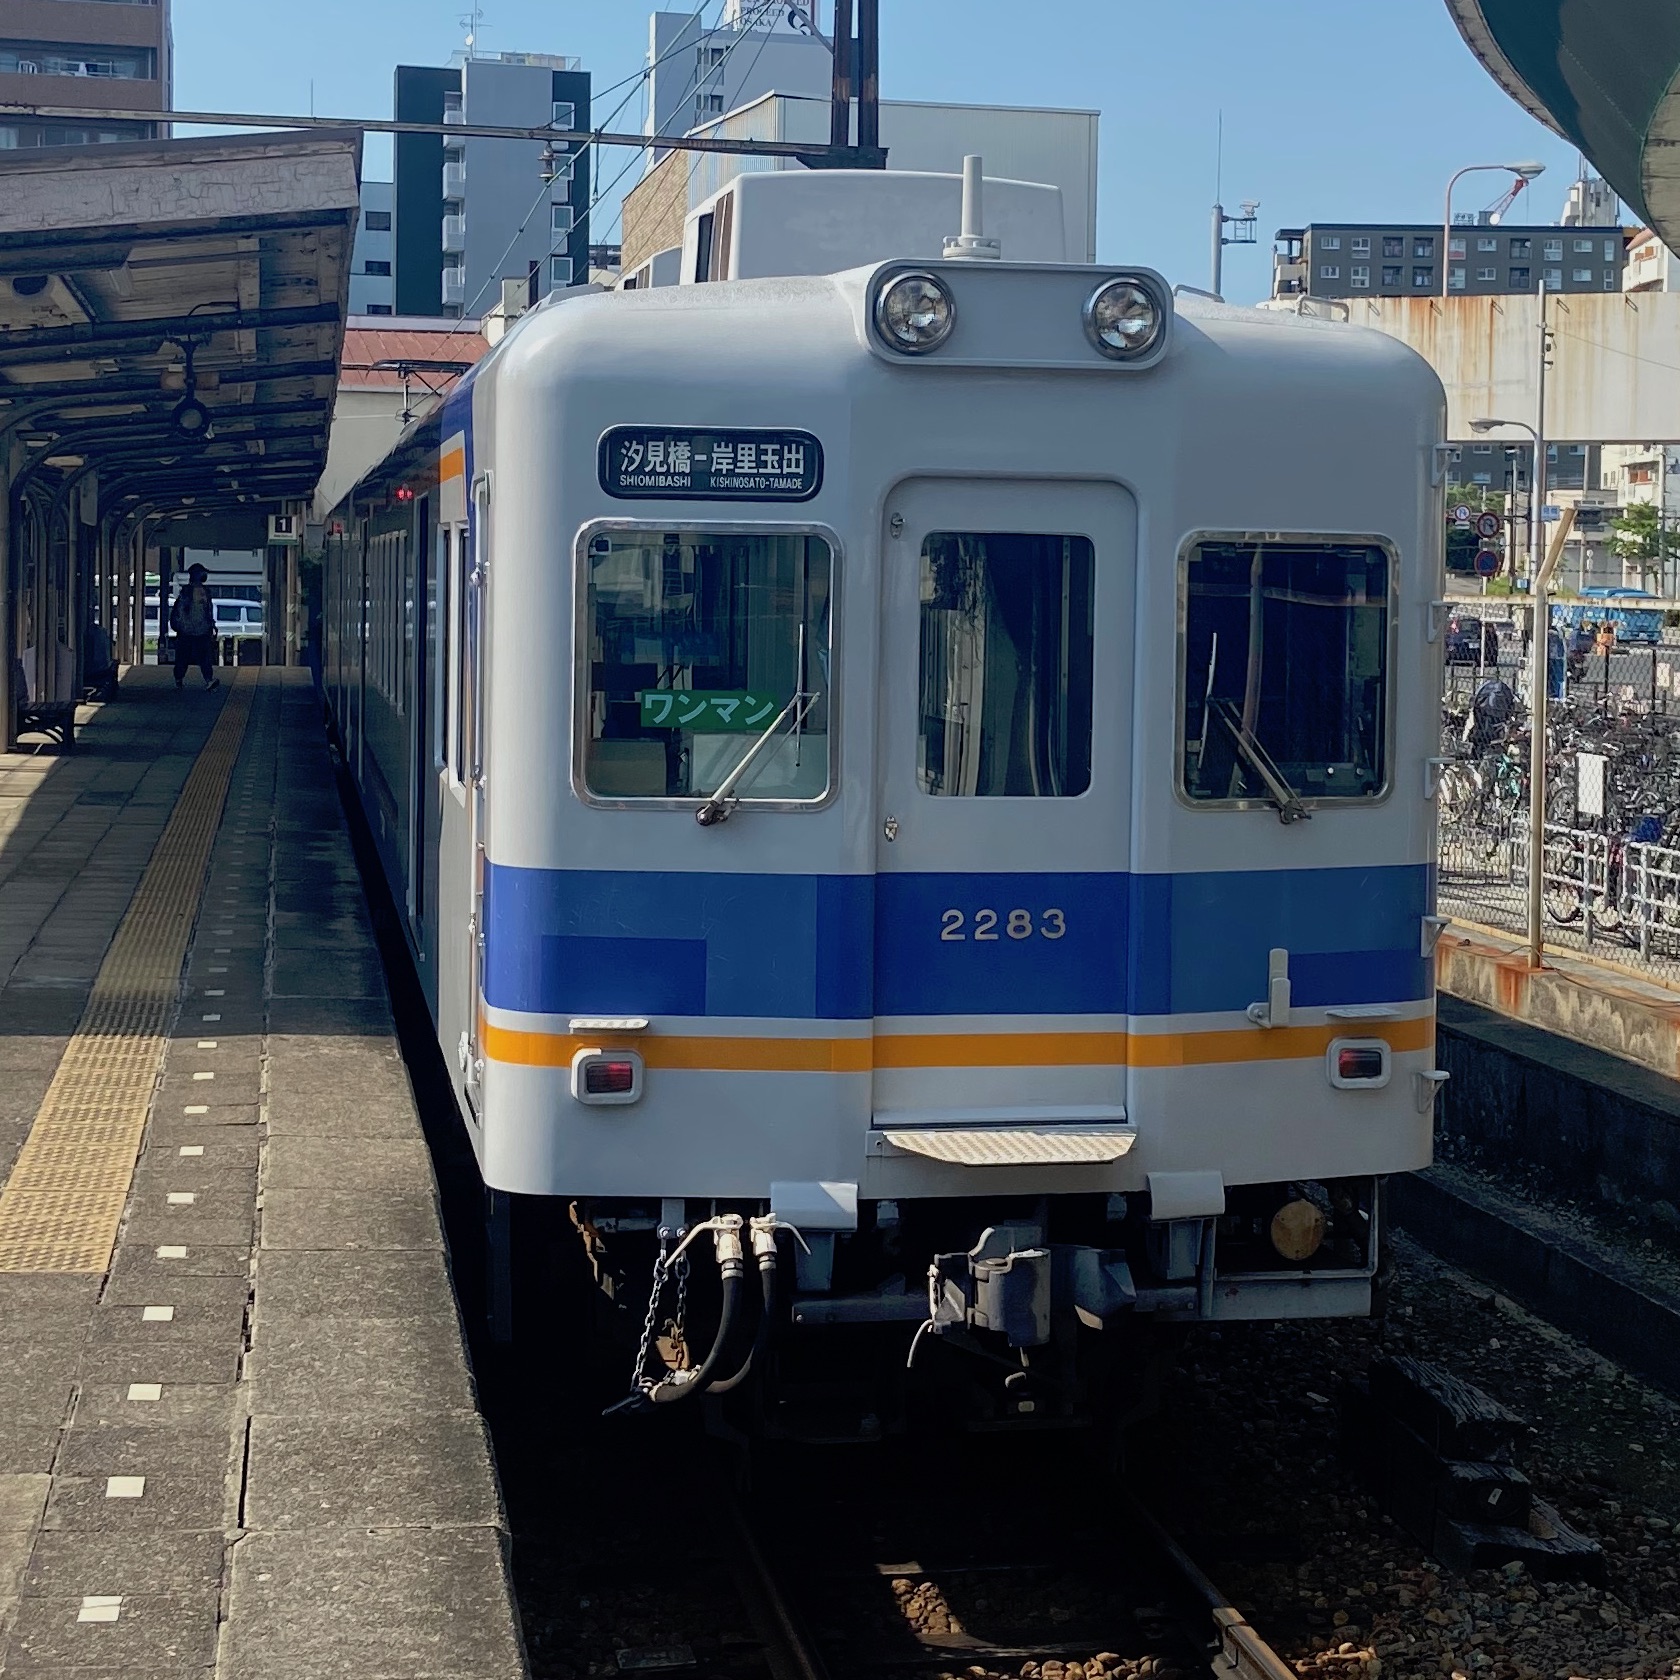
(60, 1210)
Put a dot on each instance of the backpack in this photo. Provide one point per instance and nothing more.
(192, 615)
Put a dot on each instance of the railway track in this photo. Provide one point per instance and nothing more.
(1018, 1581)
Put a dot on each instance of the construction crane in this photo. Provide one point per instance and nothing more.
(1495, 212)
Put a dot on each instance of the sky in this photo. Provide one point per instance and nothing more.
(1332, 109)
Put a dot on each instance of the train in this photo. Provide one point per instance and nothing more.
(906, 765)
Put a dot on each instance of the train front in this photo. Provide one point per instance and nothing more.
(957, 772)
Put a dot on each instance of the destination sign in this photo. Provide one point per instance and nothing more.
(676, 463)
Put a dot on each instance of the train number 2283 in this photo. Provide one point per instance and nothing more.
(1009, 924)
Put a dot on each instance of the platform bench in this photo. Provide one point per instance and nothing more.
(55, 719)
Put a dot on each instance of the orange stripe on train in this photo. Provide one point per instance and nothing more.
(956, 1050)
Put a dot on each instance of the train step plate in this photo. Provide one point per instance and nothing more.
(999, 1146)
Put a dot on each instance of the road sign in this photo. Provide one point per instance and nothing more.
(1489, 525)
(1551, 514)
(1462, 514)
(1488, 561)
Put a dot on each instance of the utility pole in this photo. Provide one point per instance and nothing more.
(857, 74)
(1540, 639)
(1242, 233)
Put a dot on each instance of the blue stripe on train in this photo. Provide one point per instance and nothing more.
(563, 941)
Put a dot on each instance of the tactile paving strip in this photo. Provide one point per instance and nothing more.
(61, 1208)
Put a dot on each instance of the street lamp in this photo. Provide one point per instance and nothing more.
(1539, 659)
(1524, 172)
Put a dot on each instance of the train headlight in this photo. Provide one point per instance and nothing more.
(914, 313)
(1297, 1229)
(1124, 319)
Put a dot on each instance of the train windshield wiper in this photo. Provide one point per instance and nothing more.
(722, 802)
(1288, 801)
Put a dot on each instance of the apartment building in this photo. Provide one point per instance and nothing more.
(52, 50)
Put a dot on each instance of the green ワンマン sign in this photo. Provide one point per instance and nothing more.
(710, 711)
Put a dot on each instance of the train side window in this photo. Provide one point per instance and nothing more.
(1006, 665)
(693, 644)
(1285, 673)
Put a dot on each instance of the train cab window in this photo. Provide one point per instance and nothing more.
(704, 649)
(1006, 665)
(1285, 671)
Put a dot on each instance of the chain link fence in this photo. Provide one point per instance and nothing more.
(1610, 864)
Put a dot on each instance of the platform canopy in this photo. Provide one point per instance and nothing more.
(1604, 74)
(171, 321)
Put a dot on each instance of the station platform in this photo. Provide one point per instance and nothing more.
(238, 1428)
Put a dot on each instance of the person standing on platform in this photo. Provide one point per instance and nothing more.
(193, 619)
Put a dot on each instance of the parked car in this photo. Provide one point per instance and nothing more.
(1471, 641)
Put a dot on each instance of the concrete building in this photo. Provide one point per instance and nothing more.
(469, 213)
(1385, 259)
(696, 74)
(373, 285)
(51, 49)
(1056, 148)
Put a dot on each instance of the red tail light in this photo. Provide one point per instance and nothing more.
(609, 1079)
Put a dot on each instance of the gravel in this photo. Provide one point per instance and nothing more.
(1246, 1453)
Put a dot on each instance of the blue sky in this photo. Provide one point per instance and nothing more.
(1333, 109)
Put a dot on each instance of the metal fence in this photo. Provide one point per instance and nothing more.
(1611, 859)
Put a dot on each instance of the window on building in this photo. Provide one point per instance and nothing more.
(1642, 472)
(733, 629)
(1584, 247)
(1487, 275)
(1552, 250)
(1553, 277)
(565, 114)
(377, 221)
(1455, 278)
(1519, 279)
(559, 271)
(1423, 277)
(1393, 246)
(59, 58)
(1359, 277)
(1481, 449)
(1392, 275)
(1329, 271)
(1610, 283)
(1007, 669)
(1520, 249)
(1612, 249)
(374, 266)
(716, 55)
(1360, 245)
(1486, 242)
(1582, 276)
(1313, 717)
(1423, 247)
(1330, 242)
(1455, 245)
(379, 309)
(561, 217)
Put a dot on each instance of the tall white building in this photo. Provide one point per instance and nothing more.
(1648, 472)
(695, 74)
(373, 286)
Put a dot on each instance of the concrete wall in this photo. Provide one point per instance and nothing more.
(1613, 359)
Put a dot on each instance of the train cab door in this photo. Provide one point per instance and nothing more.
(473, 620)
(1003, 828)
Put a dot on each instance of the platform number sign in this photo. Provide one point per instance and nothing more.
(676, 463)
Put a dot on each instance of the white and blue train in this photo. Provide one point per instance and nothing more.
(933, 749)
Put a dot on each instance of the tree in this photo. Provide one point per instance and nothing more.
(1637, 535)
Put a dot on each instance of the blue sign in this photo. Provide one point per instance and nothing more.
(1551, 514)
(1487, 562)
